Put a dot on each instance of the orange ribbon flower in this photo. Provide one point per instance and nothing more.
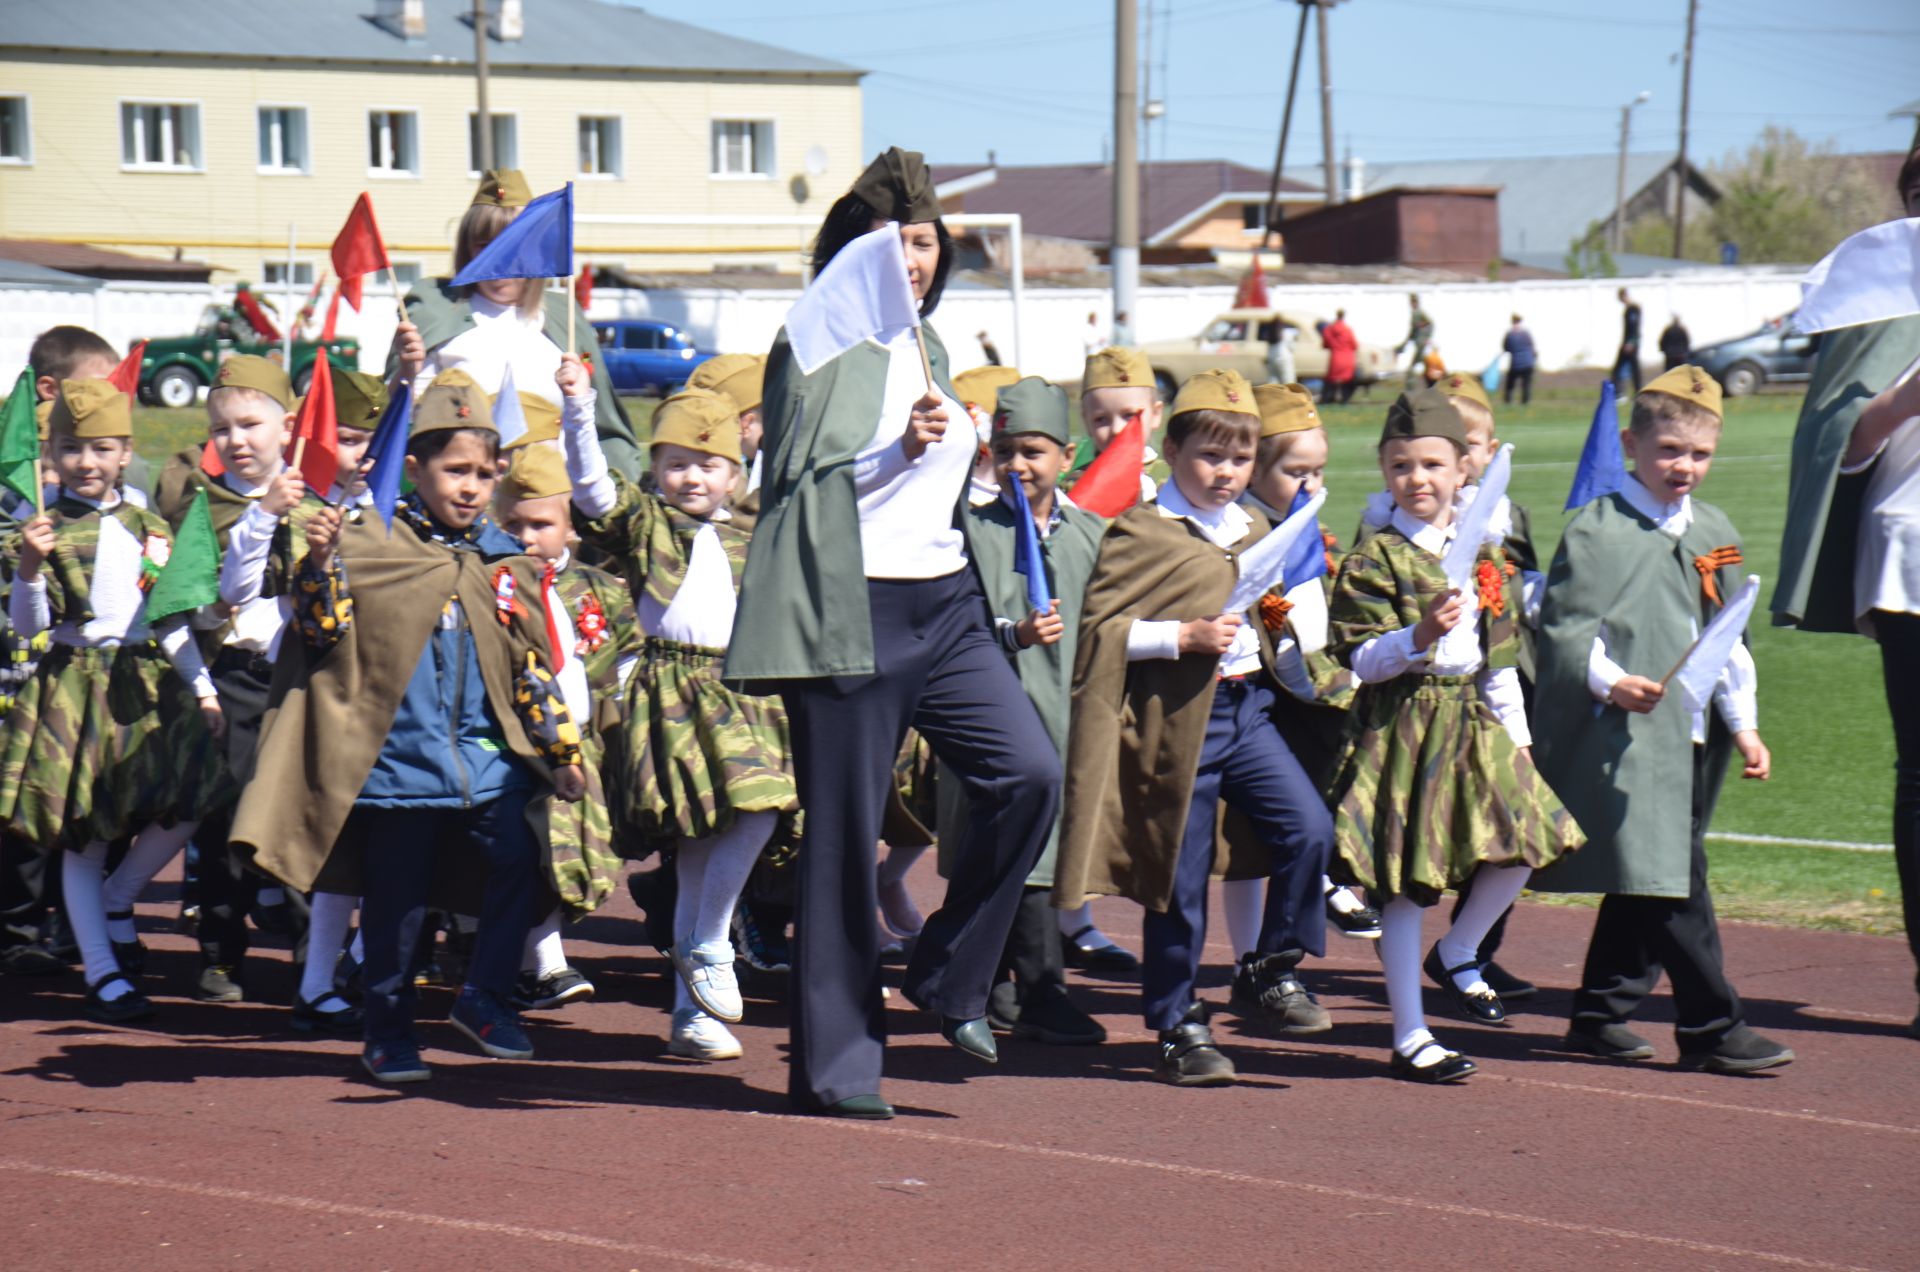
(1274, 609)
(1492, 582)
(1709, 564)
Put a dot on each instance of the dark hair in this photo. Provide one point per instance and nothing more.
(1909, 175)
(849, 218)
(57, 350)
(424, 447)
(1235, 428)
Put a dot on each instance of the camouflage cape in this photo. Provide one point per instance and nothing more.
(1138, 727)
(102, 742)
(1429, 786)
(582, 860)
(694, 751)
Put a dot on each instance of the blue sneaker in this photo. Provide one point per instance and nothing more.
(491, 1023)
(394, 1062)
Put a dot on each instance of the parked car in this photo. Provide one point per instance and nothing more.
(175, 368)
(1237, 341)
(646, 355)
(1775, 354)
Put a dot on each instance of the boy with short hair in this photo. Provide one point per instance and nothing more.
(1171, 704)
(1637, 576)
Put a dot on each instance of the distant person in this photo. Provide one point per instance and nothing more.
(1521, 357)
(1628, 359)
(1091, 337)
(989, 350)
(1419, 336)
(1280, 361)
(1122, 329)
(1338, 340)
(1676, 346)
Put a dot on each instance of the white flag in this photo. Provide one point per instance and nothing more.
(508, 416)
(1264, 565)
(1470, 534)
(1700, 670)
(1873, 275)
(862, 294)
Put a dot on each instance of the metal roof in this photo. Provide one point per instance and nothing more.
(558, 33)
(1075, 200)
(27, 274)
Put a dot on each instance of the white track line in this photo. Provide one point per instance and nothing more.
(1776, 841)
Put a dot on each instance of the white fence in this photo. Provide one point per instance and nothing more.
(1574, 322)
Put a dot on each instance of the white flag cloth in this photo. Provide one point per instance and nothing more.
(508, 415)
(1264, 565)
(862, 294)
(1700, 670)
(1471, 533)
(1873, 275)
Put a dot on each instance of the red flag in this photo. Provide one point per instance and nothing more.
(358, 249)
(1253, 288)
(1111, 484)
(249, 305)
(583, 287)
(210, 461)
(333, 313)
(126, 376)
(316, 431)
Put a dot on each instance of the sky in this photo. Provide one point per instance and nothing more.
(1032, 80)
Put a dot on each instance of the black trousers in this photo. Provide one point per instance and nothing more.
(1635, 939)
(1244, 762)
(940, 671)
(399, 847)
(29, 891)
(1899, 636)
(1331, 392)
(1521, 379)
(1627, 360)
(1034, 965)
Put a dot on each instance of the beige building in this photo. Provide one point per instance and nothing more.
(213, 130)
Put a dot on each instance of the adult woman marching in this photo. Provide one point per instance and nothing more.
(860, 605)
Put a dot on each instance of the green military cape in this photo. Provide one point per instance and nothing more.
(803, 599)
(1818, 547)
(1627, 778)
(1045, 671)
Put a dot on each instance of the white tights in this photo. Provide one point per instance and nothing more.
(1494, 889)
(712, 872)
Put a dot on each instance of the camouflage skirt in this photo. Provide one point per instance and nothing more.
(103, 742)
(581, 861)
(1429, 786)
(696, 752)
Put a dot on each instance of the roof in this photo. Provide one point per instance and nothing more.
(98, 262)
(558, 33)
(1075, 201)
(25, 274)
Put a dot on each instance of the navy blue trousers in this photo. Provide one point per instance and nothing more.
(940, 671)
(1245, 763)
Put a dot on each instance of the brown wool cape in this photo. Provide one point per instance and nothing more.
(1138, 727)
(330, 711)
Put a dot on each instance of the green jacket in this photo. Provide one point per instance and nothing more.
(803, 599)
(1855, 365)
(435, 307)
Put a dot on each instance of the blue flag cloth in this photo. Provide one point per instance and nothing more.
(1027, 558)
(388, 450)
(1603, 468)
(1490, 378)
(1307, 559)
(536, 244)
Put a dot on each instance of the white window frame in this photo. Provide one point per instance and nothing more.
(419, 146)
(305, 167)
(199, 163)
(279, 285)
(406, 273)
(618, 171)
(25, 158)
(713, 148)
(513, 115)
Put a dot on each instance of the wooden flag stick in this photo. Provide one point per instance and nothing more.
(573, 305)
(399, 302)
(1683, 660)
(926, 363)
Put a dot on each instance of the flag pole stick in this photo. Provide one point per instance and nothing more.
(1683, 660)
(926, 363)
(399, 302)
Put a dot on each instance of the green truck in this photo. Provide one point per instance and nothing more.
(175, 368)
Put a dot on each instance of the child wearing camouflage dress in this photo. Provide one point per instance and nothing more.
(1436, 784)
(704, 768)
(106, 740)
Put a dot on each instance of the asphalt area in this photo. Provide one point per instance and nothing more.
(216, 1137)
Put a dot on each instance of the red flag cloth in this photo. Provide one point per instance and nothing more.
(583, 287)
(333, 313)
(316, 431)
(358, 249)
(249, 305)
(210, 461)
(126, 376)
(1111, 484)
(1253, 288)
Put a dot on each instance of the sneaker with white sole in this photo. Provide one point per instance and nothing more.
(698, 1036)
(708, 973)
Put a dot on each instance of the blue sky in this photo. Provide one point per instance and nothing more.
(1032, 79)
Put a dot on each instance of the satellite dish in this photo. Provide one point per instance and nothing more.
(816, 161)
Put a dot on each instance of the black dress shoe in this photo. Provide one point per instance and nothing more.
(1188, 1057)
(1483, 1007)
(1504, 983)
(975, 1037)
(860, 1108)
(1609, 1041)
(127, 1007)
(130, 955)
(1363, 923)
(1274, 997)
(309, 1017)
(1451, 1067)
(1054, 1020)
(1101, 956)
(1741, 1050)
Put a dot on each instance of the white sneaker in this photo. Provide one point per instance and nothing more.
(699, 1036)
(708, 973)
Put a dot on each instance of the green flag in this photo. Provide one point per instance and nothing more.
(191, 576)
(20, 441)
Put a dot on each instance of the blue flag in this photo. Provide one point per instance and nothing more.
(389, 451)
(1603, 468)
(1027, 558)
(536, 244)
(1307, 559)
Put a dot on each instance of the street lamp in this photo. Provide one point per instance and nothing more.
(1620, 184)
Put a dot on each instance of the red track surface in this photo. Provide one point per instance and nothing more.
(217, 1138)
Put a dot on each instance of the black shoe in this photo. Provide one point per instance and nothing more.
(1055, 1021)
(1363, 923)
(555, 989)
(1450, 1067)
(316, 1016)
(1483, 1007)
(130, 955)
(30, 959)
(1102, 956)
(127, 1007)
(1509, 987)
(1276, 999)
(1740, 1050)
(347, 980)
(1188, 1056)
(220, 983)
(975, 1037)
(860, 1108)
(759, 947)
(1609, 1041)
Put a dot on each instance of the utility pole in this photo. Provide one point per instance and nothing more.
(484, 123)
(1326, 99)
(1125, 262)
(1617, 239)
(1680, 169)
(1272, 226)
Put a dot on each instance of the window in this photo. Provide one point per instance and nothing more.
(393, 143)
(1253, 217)
(406, 273)
(600, 146)
(742, 148)
(283, 139)
(16, 139)
(274, 273)
(506, 141)
(164, 136)
(640, 338)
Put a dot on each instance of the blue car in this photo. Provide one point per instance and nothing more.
(646, 355)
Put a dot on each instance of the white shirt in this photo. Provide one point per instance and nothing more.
(906, 505)
(257, 621)
(701, 612)
(1223, 527)
(501, 336)
(1886, 571)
